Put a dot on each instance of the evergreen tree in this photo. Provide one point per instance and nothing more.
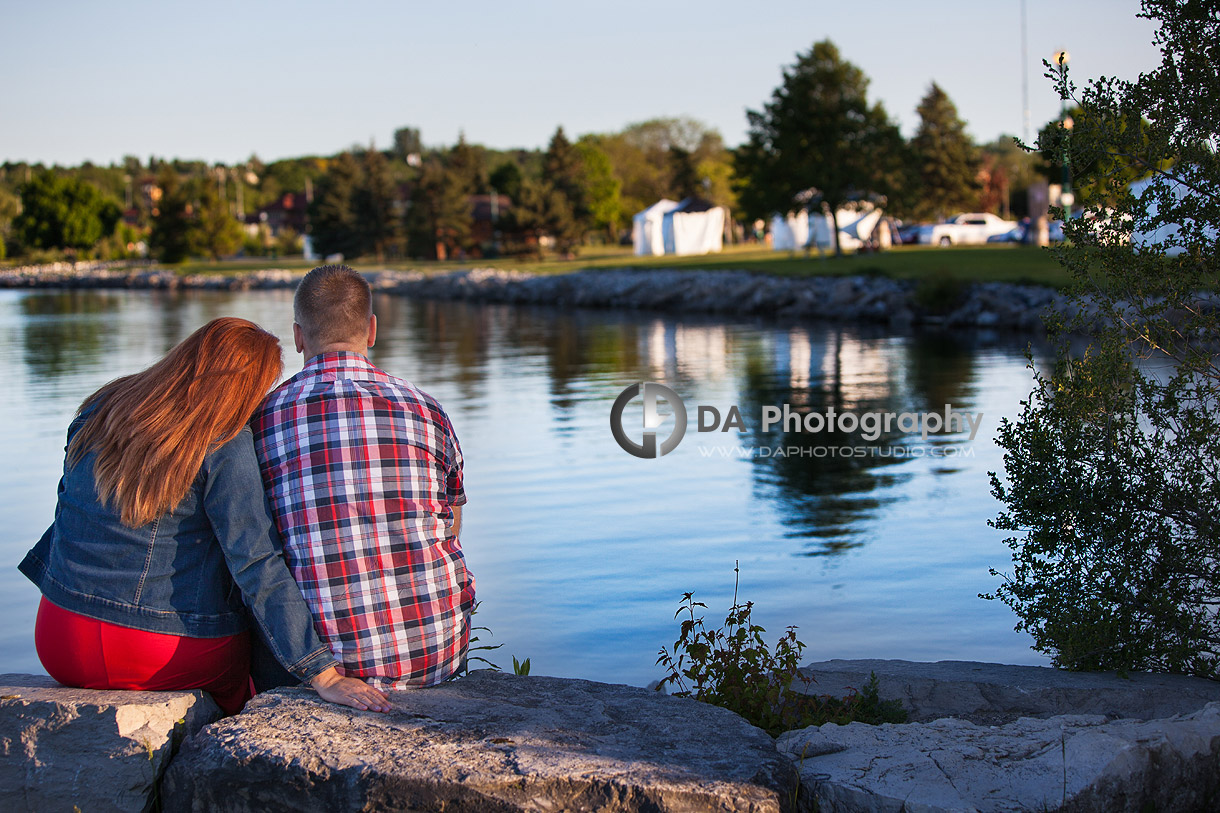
(407, 142)
(685, 181)
(375, 205)
(333, 218)
(173, 217)
(946, 160)
(543, 211)
(818, 133)
(506, 179)
(10, 205)
(439, 217)
(467, 165)
(563, 172)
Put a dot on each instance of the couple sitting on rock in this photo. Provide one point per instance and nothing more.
(194, 508)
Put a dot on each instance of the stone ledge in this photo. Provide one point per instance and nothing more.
(994, 693)
(63, 748)
(488, 742)
(1070, 763)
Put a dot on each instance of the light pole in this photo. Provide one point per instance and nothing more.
(1066, 198)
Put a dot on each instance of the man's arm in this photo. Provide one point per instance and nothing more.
(457, 520)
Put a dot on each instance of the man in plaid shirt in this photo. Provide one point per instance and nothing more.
(364, 475)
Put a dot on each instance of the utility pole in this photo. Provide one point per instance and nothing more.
(1024, 74)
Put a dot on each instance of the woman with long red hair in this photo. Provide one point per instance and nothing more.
(163, 547)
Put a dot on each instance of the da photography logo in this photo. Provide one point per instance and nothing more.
(652, 419)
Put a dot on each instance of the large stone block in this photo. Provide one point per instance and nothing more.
(489, 742)
(993, 693)
(1070, 763)
(63, 749)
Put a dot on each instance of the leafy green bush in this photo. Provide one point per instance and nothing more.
(733, 667)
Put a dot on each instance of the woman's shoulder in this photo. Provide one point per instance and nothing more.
(238, 449)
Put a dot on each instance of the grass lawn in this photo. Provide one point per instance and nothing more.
(997, 262)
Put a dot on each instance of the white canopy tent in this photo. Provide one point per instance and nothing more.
(791, 232)
(646, 228)
(802, 229)
(694, 226)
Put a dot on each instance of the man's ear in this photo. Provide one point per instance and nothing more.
(298, 337)
(372, 330)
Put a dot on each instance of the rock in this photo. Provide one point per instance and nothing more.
(871, 298)
(64, 748)
(1071, 762)
(488, 742)
(994, 693)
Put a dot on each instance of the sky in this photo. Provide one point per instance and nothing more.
(222, 80)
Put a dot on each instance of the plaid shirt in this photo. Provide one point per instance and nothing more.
(363, 471)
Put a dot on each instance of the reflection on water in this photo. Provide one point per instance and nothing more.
(64, 330)
(580, 550)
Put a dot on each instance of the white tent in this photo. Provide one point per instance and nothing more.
(791, 232)
(646, 228)
(1167, 232)
(694, 226)
(802, 229)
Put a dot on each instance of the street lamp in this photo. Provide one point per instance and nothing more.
(1066, 198)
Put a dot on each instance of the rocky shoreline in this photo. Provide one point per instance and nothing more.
(981, 737)
(876, 299)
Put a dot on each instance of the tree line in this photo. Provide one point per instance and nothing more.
(818, 142)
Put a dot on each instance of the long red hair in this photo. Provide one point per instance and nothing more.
(150, 431)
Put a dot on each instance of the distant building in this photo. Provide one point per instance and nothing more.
(290, 211)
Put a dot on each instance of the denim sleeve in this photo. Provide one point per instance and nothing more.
(237, 507)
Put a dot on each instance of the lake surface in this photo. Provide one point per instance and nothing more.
(581, 551)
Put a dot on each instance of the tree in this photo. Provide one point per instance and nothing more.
(407, 143)
(1111, 486)
(216, 232)
(173, 218)
(946, 160)
(467, 165)
(684, 173)
(374, 205)
(333, 218)
(601, 188)
(542, 211)
(439, 217)
(1008, 172)
(63, 213)
(818, 133)
(643, 164)
(506, 179)
(1094, 174)
(10, 205)
(563, 173)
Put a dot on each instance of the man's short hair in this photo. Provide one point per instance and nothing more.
(333, 304)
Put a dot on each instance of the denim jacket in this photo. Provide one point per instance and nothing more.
(187, 572)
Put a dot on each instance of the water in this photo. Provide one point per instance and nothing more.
(581, 551)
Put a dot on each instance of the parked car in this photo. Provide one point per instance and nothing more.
(907, 233)
(965, 229)
(1020, 234)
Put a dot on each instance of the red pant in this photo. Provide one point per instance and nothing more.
(91, 654)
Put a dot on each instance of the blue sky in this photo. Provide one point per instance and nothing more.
(221, 80)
